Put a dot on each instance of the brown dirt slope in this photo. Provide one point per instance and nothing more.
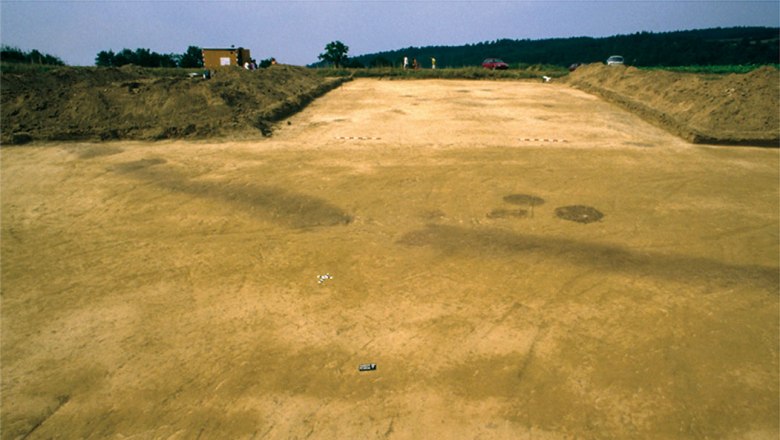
(130, 103)
(737, 109)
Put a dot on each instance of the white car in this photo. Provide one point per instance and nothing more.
(614, 60)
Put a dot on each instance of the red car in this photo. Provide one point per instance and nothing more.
(494, 63)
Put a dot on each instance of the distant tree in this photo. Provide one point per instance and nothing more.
(105, 58)
(144, 57)
(335, 53)
(123, 57)
(12, 54)
(161, 60)
(380, 61)
(193, 57)
(36, 57)
(16, 55)
(353, 63)
(139, 57)
(717, 46)
(268, 62)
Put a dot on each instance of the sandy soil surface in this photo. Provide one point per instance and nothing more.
(519, 260)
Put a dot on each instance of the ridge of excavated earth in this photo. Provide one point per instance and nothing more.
(69, 104)
(735, 109)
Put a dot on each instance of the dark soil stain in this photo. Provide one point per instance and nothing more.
(136, 165)
(639, 144)
(524, 200)
(452, 240)
(507, 213)
(422, 237)
(98, 151)
(579, 213)
(282, 206)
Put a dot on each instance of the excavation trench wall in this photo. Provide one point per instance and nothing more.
(134, 103)
(736, 109)
(143, 104)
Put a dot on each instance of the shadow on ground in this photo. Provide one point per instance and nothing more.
(279, 205)
(604, 257)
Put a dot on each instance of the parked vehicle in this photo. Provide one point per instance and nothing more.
(494, 63)
(614, 60)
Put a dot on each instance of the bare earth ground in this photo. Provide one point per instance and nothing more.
(170, 290)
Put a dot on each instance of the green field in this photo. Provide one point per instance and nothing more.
(528, 72)
(516, 71)
(719, 70)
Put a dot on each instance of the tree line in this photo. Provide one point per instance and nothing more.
(191, 58)
(15, 55)
(716, 46)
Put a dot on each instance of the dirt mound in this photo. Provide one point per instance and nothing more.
(719, 109)
(135, 103)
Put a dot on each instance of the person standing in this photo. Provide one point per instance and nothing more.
(406, 63)
(433, 63)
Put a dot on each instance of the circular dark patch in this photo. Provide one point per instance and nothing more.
(524, 200)
(506, 213)
(579, 213)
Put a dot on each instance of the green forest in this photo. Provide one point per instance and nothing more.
(192, 57)
(716, 46)
(11, 54)
(732, 46)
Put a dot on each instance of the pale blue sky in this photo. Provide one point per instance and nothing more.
(295, 32)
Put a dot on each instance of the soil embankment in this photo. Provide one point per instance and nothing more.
(130, 103)
(133, 103)
(736, 109)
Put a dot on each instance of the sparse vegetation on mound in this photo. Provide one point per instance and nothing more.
(151, 104)
(70, 103)
(735, 109)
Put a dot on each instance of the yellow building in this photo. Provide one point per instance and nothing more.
(215, 58)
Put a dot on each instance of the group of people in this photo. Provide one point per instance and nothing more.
(416, 65)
